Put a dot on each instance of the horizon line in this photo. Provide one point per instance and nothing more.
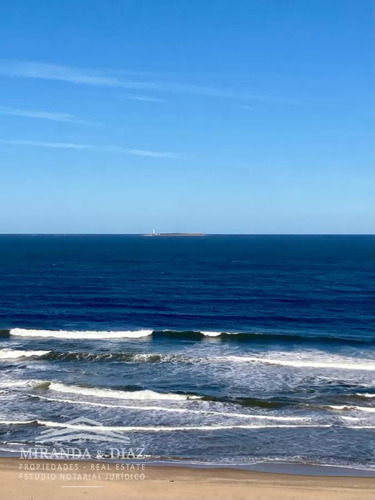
(187, 233)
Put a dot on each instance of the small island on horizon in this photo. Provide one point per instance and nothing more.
(155, 234)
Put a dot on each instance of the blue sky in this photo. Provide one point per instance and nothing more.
(219, 116)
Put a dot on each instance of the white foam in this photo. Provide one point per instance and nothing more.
(116, 394)
(162, 428)
(13, 354)
(343, 363)
(177, 410)
(350, 407)
(17, 383)
(17, 422)
(146, 357)
(365, 395)
(211, 334)
(361, 427)
(81, 335)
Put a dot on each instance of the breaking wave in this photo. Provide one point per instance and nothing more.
(313, 361)
(164, 428)
(91, 335)
(341, 363)
(8, 384)
(145, 394)
(196, 335)
(177, 410)
(8, 354)
(350, 408)
(116, 356)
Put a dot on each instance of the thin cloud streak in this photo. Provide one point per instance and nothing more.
(248, 108)
(55, 72)
(145, 98)
(43, 115)
(140, 152)
(79, 76)
(154, 154)
(42, 144)
(67, 145)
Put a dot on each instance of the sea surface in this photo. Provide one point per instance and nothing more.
(215, 349)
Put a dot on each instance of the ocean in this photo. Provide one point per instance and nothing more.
(212, 350)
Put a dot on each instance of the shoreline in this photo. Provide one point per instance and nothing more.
(287, 468)
(23, 480)
(266, 466)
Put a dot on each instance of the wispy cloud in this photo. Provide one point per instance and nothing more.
(145, 98)
(55, 72)
(41, 144)
(139, 152)
(248, 108)
(81, 76)
(154, 154)
(43, 115)
(68, 145)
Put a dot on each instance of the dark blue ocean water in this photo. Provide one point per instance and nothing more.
(226, 349)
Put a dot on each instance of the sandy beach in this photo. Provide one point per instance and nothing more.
(59, 480)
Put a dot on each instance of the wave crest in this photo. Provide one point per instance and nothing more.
(162, 428)
(145, 394)
(8, 354)
(81, 335)
(343, 363)
(196, 335)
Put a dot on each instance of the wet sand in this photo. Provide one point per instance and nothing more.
(60, 480)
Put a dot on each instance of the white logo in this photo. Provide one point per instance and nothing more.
(81, 428)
